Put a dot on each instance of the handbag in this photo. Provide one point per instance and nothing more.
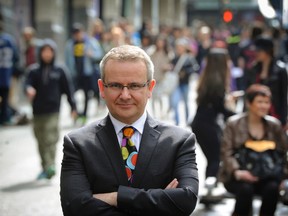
(171, 78)
(260, 158)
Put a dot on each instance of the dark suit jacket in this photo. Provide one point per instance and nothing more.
(92, 163)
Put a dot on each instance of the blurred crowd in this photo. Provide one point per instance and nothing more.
(165, 48)
(226, 62)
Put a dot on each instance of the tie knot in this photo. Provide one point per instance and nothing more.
(128, 132)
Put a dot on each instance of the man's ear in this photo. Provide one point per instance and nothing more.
(151, 87)
(101, 88)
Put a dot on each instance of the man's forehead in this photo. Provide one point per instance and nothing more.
(126, 60)
(133, 62)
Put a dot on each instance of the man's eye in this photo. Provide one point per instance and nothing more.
(116, 85)
(134, 86)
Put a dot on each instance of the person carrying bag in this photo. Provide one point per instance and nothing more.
(171, 78)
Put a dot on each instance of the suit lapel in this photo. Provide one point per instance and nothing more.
(148, 145)
(109, 141)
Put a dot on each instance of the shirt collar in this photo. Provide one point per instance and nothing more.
(138, 124)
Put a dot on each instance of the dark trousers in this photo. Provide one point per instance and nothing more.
(208, 137)
(267, 189)
(85, 84)
(4, 107)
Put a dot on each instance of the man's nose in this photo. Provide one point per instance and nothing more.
(125, 92)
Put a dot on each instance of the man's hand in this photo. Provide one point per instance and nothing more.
(173, 184)
(31, 92)
(245, 175)
(109, 198)
(74, 114)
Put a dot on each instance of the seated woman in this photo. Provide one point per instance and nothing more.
(254, 133)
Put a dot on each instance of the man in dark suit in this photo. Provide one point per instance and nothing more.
(93, 176)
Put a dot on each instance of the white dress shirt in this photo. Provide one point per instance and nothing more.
(138, 125)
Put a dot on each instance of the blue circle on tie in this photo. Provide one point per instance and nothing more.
(131, 163)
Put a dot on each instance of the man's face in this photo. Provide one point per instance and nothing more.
(125, 104)
(78, 36)
(180, 49)
(27, 36)
(47, 55)
(261, 55)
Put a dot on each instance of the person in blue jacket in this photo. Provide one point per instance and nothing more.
(8, 60)
(81, 56)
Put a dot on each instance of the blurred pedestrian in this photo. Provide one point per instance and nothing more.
(271, 72)
(247, 53)
(117, 37)
(147, 42)
(9, 58)
(30, 47)
(81, 54)
(46, 82)
(188, 66)
(97, 31)
(161, 57)
(213, 86)
(28, 54)
(253, 154)
(146, 28)
(101, 34)
(205, 41)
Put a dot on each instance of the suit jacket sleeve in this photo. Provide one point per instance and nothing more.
(76, 193)
(160, 201)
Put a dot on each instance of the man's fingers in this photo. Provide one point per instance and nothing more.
(173, 184)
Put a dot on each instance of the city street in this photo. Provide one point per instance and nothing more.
(22, 195)
(222, 37)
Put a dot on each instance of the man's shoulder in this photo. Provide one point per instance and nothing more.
(91, 41)
(7, 40)
(69, 43)
(33, 68)
(171, 129)
(7, 36)
(172, 135)
(85, 130)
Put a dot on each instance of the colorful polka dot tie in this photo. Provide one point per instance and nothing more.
(129, 152)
